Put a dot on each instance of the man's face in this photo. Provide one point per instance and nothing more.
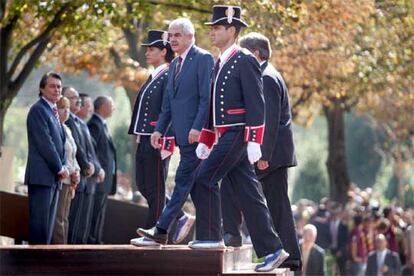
(381, 243)
(179, 41)
(219, 35)
(86, 109)
(75, 101)
(108, 108)
(154, 55)
(52, 89)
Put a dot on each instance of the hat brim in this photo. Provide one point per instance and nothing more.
(224, 21)
(157, 43)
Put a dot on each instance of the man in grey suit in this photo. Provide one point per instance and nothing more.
(46, 160)
(383, 261)
(106, 152)
(185, 107)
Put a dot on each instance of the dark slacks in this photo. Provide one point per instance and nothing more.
(184, 180)
(229, 159)
(98, 218)
(43, 202)
(151, 174)
(275, 189)
(84, 225)
(75, 216)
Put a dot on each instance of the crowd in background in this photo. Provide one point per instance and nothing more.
(350, 234)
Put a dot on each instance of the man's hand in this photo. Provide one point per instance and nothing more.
(193, 136)
(384, 269)
(253, 152)
(262, 165)
(90, 170)
(64, 173)
(101, 176)
(155, 137)
(202, 151)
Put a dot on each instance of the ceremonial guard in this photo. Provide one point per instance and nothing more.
(230, 143)
(152, 164)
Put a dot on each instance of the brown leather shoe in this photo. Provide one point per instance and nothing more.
(153, 234)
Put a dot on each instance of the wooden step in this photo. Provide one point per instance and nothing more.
(124, 259)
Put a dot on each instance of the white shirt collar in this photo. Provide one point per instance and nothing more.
(184, 55)
(226, 54)
(158, 69)
(52, 105)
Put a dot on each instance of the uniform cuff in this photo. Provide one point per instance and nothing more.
(207, 137)
(254, 134)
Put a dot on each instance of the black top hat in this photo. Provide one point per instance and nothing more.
(226, 15)
(157, 38)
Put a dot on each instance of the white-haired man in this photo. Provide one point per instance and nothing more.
(313, 256)
(185, 107)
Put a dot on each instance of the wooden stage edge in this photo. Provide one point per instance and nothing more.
(125, 260)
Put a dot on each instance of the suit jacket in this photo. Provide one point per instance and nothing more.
(46, 138)
(106, 153)
(316, 262)
(392, 260)
(342, 240)
(185, 105)
(237, 98)
(277, 147)
(81, 155)
(92, 157)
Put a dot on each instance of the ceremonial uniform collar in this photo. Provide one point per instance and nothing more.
(157, 70)
(228, 53)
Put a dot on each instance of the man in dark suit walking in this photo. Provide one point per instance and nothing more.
(46, 159)
(383, 261)
(106, 152)
(277, 156)
(236, 126)
(185, 107)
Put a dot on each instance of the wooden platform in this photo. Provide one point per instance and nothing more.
(125, 259)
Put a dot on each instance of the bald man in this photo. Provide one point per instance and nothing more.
(313, 256)
(383, 261)
(106, 152)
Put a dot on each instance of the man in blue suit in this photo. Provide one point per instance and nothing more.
(46, 160)
(185, 107)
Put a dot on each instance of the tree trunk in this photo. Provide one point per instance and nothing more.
(336, 163)
(4, 106)
(2, 116)
(399, 169)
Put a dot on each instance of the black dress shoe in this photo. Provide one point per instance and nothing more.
(153, 234)
(232, 240)
(293, 265)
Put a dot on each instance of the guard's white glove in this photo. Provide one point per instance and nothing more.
(202, 151)
(253, 152)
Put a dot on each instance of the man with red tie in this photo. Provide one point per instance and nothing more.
(230, 144)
